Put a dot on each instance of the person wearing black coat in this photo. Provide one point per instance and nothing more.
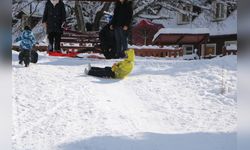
(54, 18)
(107, 40)
(120, 23)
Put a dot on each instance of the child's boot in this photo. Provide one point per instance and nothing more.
(20, 62)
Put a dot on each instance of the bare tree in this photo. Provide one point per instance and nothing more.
(99, 15)
(79, 17)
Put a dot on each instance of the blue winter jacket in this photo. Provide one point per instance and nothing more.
(27, 39)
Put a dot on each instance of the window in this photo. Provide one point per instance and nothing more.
(188, 49)
(208, 49)
(185, 18)
(231, 45)
(228, 43)
(219, 10)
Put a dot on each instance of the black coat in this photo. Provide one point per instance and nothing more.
(54, 16)
(107, 39)
(123, 14)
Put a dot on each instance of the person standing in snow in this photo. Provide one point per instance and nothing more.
(27, 39)
(118, 71)
(54, 18)
(120, 23)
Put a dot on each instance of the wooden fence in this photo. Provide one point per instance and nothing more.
(229, 52)
(90, 41)
(159, 52)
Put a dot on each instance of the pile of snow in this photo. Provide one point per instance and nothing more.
(173, 104)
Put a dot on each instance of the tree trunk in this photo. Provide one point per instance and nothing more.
(99, 15)
(79, 17)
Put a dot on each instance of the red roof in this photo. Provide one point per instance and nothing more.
(148, 25)
(144, 31)
(100, 0)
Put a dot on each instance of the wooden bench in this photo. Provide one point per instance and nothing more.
(80, 42)
(75, 41)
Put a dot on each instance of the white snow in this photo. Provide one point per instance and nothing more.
(181, 31)
(204, 20)
(151, 47)
(232, 47)
(154, 16)
(163, 104)
(225, 27)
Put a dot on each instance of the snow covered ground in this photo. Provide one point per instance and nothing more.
(164, 104)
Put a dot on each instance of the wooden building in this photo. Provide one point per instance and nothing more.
(222, 30)
(144, 31)
(187, 38)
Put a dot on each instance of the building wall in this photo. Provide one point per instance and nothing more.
(220, 41)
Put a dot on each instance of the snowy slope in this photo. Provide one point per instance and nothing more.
(163, 104)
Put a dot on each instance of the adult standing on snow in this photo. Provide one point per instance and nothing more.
(120, 24)
(54, 18)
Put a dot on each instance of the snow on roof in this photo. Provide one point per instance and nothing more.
(154, 16)
(36, 11)
(181, 31)
(34, 14)
(225, 27)
(231, 47)
(230, 26)
(152, 47)
(204, 20)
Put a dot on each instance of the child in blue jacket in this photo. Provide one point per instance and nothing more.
(27, 39)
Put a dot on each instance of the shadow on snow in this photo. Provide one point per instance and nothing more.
(152, 141)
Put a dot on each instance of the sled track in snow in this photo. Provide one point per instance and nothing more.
(160, 96)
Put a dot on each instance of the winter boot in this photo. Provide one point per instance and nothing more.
(50, 48)
(86, 71)
(26, 58)
(21, 57)
(89, 66)
(34, 56)
(21, 62)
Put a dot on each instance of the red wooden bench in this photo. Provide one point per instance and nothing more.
(80, 42)
(74, 41)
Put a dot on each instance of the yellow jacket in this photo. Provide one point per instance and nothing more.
(124, 68)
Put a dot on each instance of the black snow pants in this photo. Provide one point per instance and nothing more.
(54, 41)
(102, 72)
(121, 41)
(24, 56)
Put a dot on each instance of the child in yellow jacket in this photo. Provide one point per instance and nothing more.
(118, 70)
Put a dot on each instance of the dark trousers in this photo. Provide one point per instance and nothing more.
(24, 56)
(102, 72)
(121, 41)
(54, 41)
